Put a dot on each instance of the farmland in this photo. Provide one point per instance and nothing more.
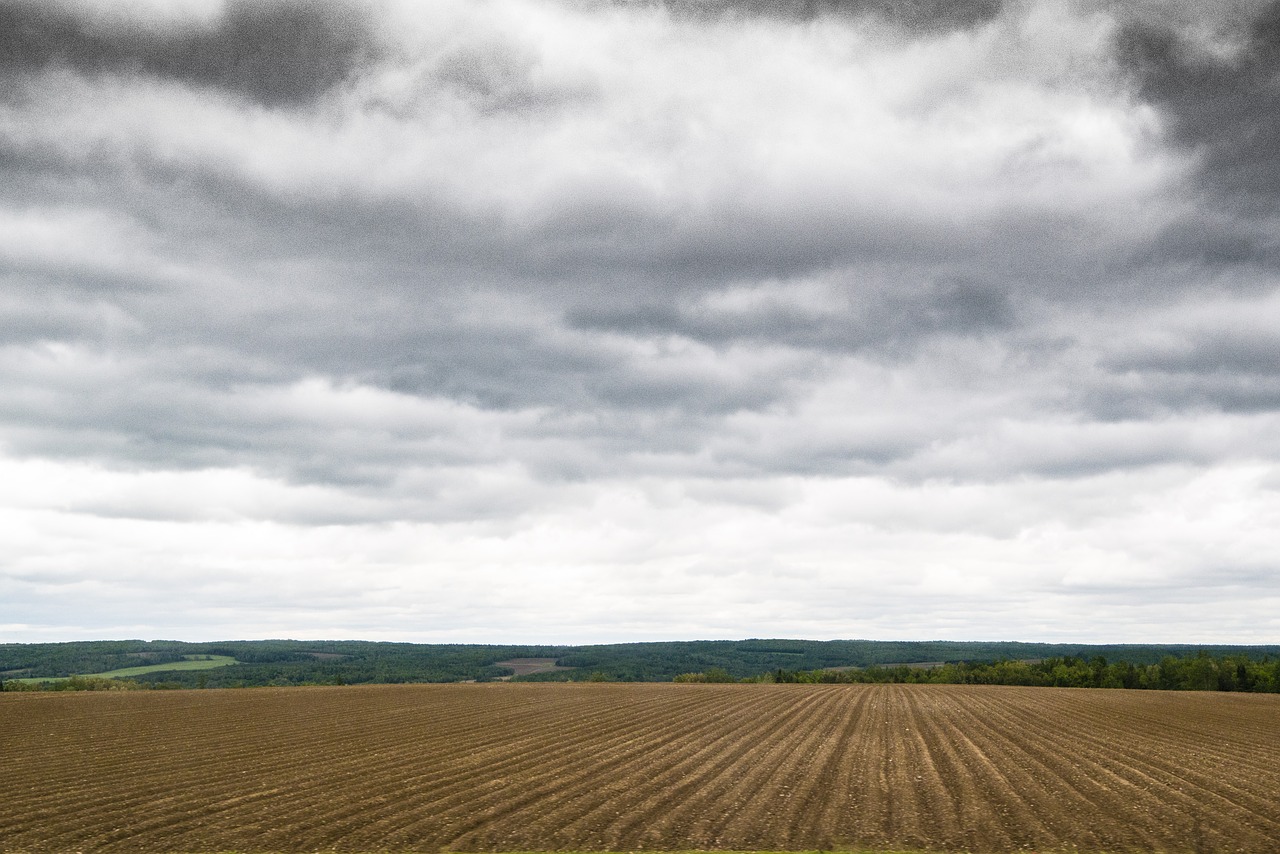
(190, 662)
(527, 767)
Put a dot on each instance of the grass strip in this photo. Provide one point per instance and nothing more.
(192, 662)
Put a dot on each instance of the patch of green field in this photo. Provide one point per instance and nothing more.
(192, 662)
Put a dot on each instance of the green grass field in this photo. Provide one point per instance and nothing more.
(192, 662)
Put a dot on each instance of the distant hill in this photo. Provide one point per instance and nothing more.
(291, 662)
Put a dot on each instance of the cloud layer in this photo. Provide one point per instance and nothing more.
(587, 321)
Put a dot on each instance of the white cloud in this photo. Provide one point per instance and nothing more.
(630, 560)
(560, 321)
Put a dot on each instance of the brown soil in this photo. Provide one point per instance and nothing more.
(527, 767)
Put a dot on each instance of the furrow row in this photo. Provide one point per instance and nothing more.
(630, 767)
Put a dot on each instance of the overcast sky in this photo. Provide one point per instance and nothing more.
(602, 320)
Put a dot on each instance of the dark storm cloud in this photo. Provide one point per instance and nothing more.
(1205, 370)
(277, 53)
(1212, 240)
(1224, 393)
(857, 318)
(927, 16)
(633, 297)
(1242, 353)
(655, 314)
(1225, 108)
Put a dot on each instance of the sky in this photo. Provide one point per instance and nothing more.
(585, 321)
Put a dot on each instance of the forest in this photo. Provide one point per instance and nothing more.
(1200, 672)
(298, 662)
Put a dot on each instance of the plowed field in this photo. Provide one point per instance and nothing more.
(599, 766)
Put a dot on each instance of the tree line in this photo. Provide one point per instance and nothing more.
(1201, 672)
(293, 662)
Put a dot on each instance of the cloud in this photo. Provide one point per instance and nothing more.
(856, 305)
(276, 53)
(1218, 102)
(915, 15)
(1213, 82)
